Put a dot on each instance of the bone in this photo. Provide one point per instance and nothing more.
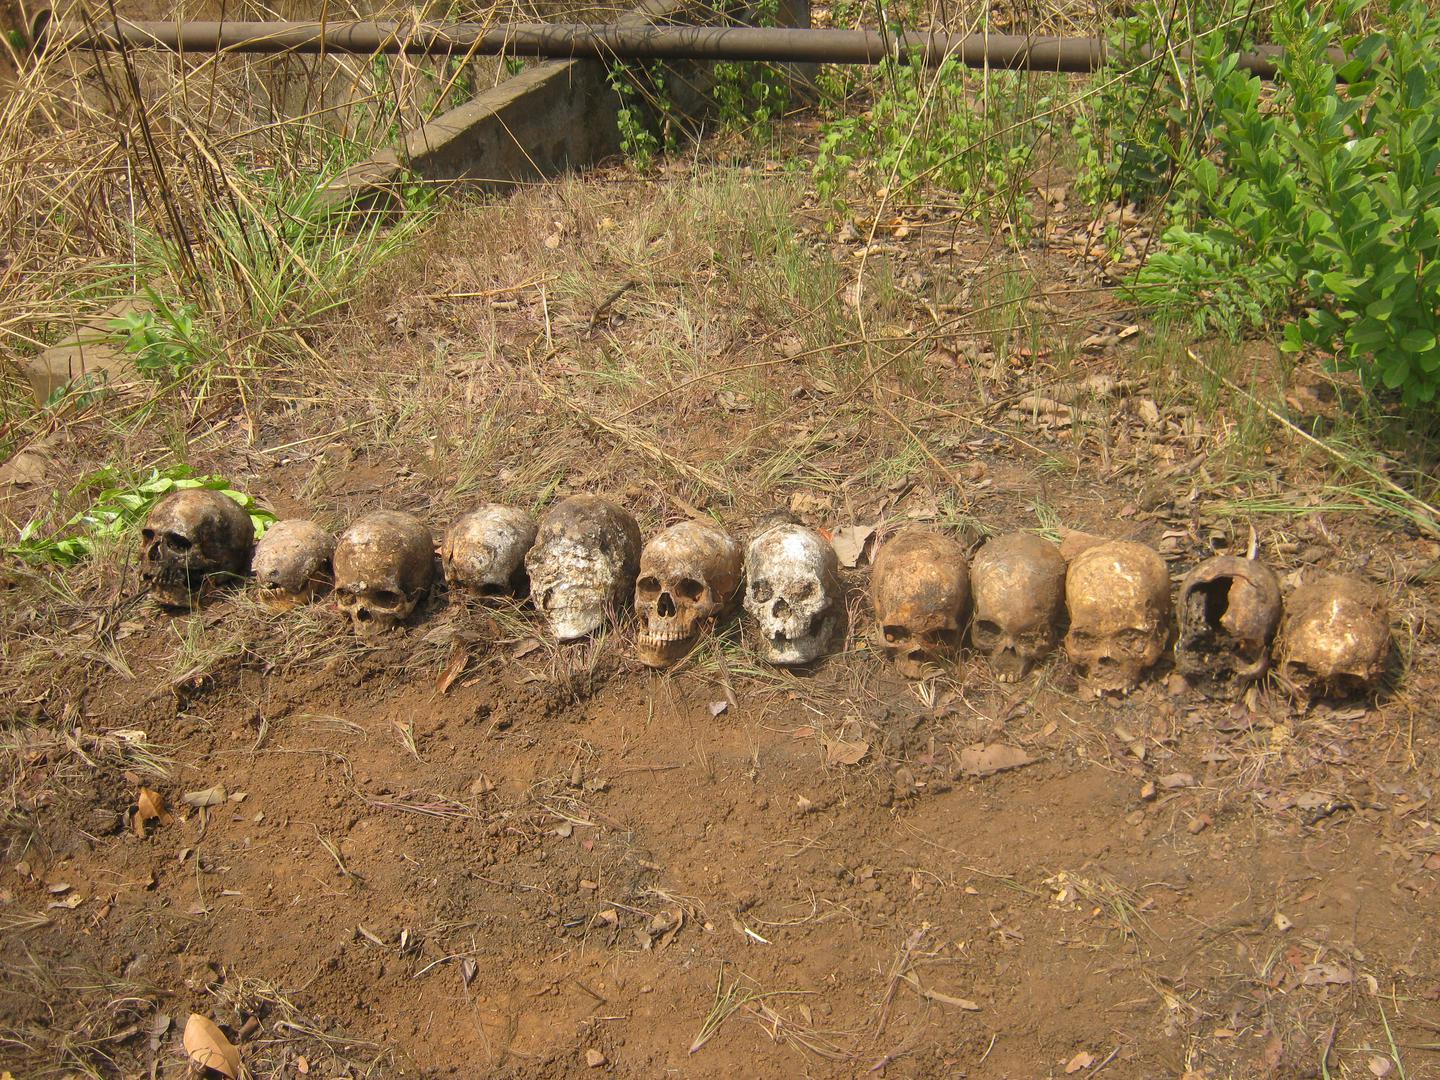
(689, 576)
(194, 541)
(293, 563)
(384, 566)
(1335, 642)
(1228, 610)
(1118, 596)
(920, 590)
(793, 593)
(1019, 588)
(484, 551)
(583, 564)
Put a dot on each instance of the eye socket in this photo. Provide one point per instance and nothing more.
(895, 635)
(805, 591)
(648, 587)
(986, 629)
(175, 542)
(1133, 640)
(1082, 637)
(148, 535)
(940, 637)
(386, 598)
(690, 589)
(760, 591)
(491, 589)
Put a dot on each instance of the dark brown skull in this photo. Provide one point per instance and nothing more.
(193, 541)
(384, 566)
(292, 563)
(1336, 638)
(920, 589)
(1228, 611)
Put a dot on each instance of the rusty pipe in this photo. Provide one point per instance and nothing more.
(609, 41)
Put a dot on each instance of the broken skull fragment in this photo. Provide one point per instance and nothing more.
(193, 541)
(1228, 611)
(293, 563)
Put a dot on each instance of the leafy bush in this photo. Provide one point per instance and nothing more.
(163, 341)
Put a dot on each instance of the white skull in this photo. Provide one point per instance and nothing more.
(293, 562)
(920, 589)
(793, 593)
(1118, 594)
(1019, 587)
(1336, 638)
(689, 575)
(484, 551)
(583, 564)
(194, 540)
(384, 565)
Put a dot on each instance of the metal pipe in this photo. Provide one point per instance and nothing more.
(610, 41)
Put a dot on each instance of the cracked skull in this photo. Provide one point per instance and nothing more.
(1118, 595)
(1018, 581)
(689, 575)
(792, 592)
(920, 589)
(293, 562)
(193, 540)
(1336, 638)
(484, 551)
(384, 565)
(583, 564)
(1228, 609)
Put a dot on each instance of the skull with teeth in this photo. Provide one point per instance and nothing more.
(689, 575)
(1019, 586)
(1336, 638)
(1118, 594)
(194, 540)
(1228, 610)
(793, 593)
(583, 564)
(384, 566)
(484, 552)
(293, 562)
(920, 589)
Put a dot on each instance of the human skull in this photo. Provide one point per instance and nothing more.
(793, 592)
(1118, 594)
(193, 540)
(384, 565)
(920, 589)
(293, 563)
(1018, 581)
(1336, 638)
(1228, 610)
(484, 551)
(583, 564)
(689, 575)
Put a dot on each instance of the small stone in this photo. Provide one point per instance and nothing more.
(1199, 823)
(594, 1058)
(1147, 791)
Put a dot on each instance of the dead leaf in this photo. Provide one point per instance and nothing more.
(150, 806)
(212, 796)
(1083, 1060)
(459, 658)
(849, 543)
(946, 999)
(1177, 780)
(1326, 975)
(208, 1047)
(525, 648)
(841, 752)
(718, 707)
(996, 757)
(1380, 1066)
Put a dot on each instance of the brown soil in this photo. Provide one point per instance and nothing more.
(560, 864)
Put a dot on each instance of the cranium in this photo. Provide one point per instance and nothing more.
(689, 575)
(485, 551)
(920, 589)
(1336, 638)
(1118, 594)
(1228, 610)
(583, 564)
(194, 539)
(793, 592)
(384, 564)
(1018, 582)
(293, 562)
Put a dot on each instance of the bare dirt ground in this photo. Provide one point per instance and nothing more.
(463, 851)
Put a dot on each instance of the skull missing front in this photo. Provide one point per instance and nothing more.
(920, 589)
(384, 566)
(1227, 612)
(583, 564)
(1019, 587)
(1336, 638)
(484, 551)
(689, 575)
(194, 540)
(293, 563)
(1118, 595)
(792, 592)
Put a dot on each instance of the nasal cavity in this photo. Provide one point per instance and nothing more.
(665, 606)
(781, 610)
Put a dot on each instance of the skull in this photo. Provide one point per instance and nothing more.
(689, 574)
(1118, 594)
(1228, 611)
(1336, 638)
(194, 539)
(485, 551)
(1019, 586)
(384, 564)
(583, 564)
(793, 592)
(293, 562)
(920, 589)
